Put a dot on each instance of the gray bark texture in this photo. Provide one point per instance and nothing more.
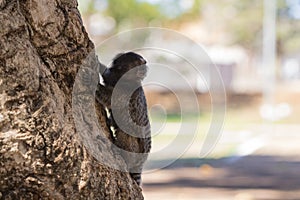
(43, 45)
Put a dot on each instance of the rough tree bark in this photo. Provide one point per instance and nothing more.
(43, 44)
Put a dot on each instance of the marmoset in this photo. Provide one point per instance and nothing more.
(123, 82)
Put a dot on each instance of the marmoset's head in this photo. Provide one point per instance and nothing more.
(131, 64)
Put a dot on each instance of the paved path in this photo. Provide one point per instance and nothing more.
(269, 172)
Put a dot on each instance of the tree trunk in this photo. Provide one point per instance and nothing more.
(43, 155)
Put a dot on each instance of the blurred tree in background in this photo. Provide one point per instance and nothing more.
(246, 25)
(288, 37)
(241, 21)
(137, 11)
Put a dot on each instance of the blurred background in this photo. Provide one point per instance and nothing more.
(255, 45)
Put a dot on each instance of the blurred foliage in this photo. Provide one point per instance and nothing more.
(242, 21)
(193, 13)
(139, 12)
(246, 26)
(288, 37)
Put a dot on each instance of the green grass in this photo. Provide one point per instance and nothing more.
(189, 117)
